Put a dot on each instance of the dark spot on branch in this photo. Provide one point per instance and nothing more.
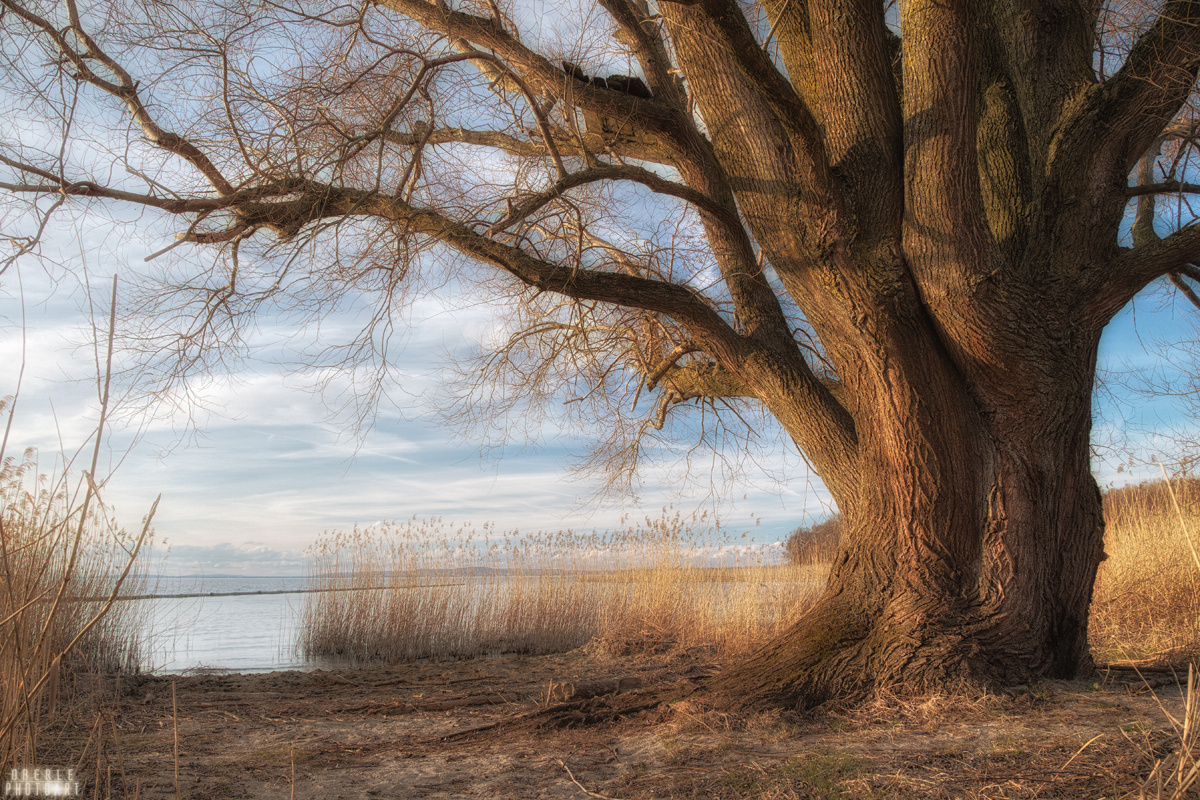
(628, 85)
(634, 87)
(574, 71)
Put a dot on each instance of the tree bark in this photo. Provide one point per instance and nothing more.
(971, 538)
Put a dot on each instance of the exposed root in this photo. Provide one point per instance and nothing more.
(574, 713)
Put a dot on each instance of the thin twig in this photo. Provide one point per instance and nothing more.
(583, 788)
(90, 491)
(12, 405)
(175, 724)
(771, 32)
(1069, 762)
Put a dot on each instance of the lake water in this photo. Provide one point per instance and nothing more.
(216, 628)
(244, 633)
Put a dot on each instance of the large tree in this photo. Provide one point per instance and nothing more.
(897, 230)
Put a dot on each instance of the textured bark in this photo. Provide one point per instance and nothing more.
(968, 556)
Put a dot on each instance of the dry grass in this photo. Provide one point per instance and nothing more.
(1175, 777)
(59, 562)
(1147, 600)
(644, 589)
(1147, 608)
(424, 589)
(415, 590)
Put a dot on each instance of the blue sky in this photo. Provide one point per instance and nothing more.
(254, 480)
(254, 476)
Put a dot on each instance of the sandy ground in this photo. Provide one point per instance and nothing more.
(500, 728)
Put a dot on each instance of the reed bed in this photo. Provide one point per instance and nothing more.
(1146, 609)
(423, 589)
(1146, 603)
(59, 562)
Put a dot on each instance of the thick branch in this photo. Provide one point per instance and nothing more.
(517, 146)
(1133, 269)
(606, 172)
(764, 141)
(1143, 222)
(1145, 237)
(944, 222)
(667, 364)
(771, 368)
(1128, 112)
(791, 30)
(1045, 50)
(645, 40)
(1184, 289)
(864, 138)
(176, 205)
(756, 304)
(772, 87)
(638, 113)
(823, 428)
(1164, 187)
(705, 380)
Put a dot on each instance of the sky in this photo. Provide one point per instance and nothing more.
(264, 470)
(265, 466)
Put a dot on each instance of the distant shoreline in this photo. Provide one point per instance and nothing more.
(122, 598)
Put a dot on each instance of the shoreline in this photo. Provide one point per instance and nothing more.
(126, 598)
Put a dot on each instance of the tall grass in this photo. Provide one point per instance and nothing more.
(1147, 605)
(1147, 598)
(60, 562)
(422, 590)
(60, 555)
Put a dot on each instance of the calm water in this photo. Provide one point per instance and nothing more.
(248, 633)
(243, 633)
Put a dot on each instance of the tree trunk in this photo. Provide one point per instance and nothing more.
(969, 550)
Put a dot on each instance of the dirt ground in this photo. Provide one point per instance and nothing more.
(506, 728)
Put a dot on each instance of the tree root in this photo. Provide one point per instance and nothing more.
(594, 710)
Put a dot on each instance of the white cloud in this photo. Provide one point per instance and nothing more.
(250, 558)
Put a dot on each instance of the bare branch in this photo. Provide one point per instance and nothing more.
(518, 146)
(605, 172)
(739, 43)
(1162, 187)
(1132, 108)
(672, 358)
(1180, 284)
(125, 89)
(543, 123)
(644, 38)
(639, 113)
(1135, 268)
(1143, 222)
